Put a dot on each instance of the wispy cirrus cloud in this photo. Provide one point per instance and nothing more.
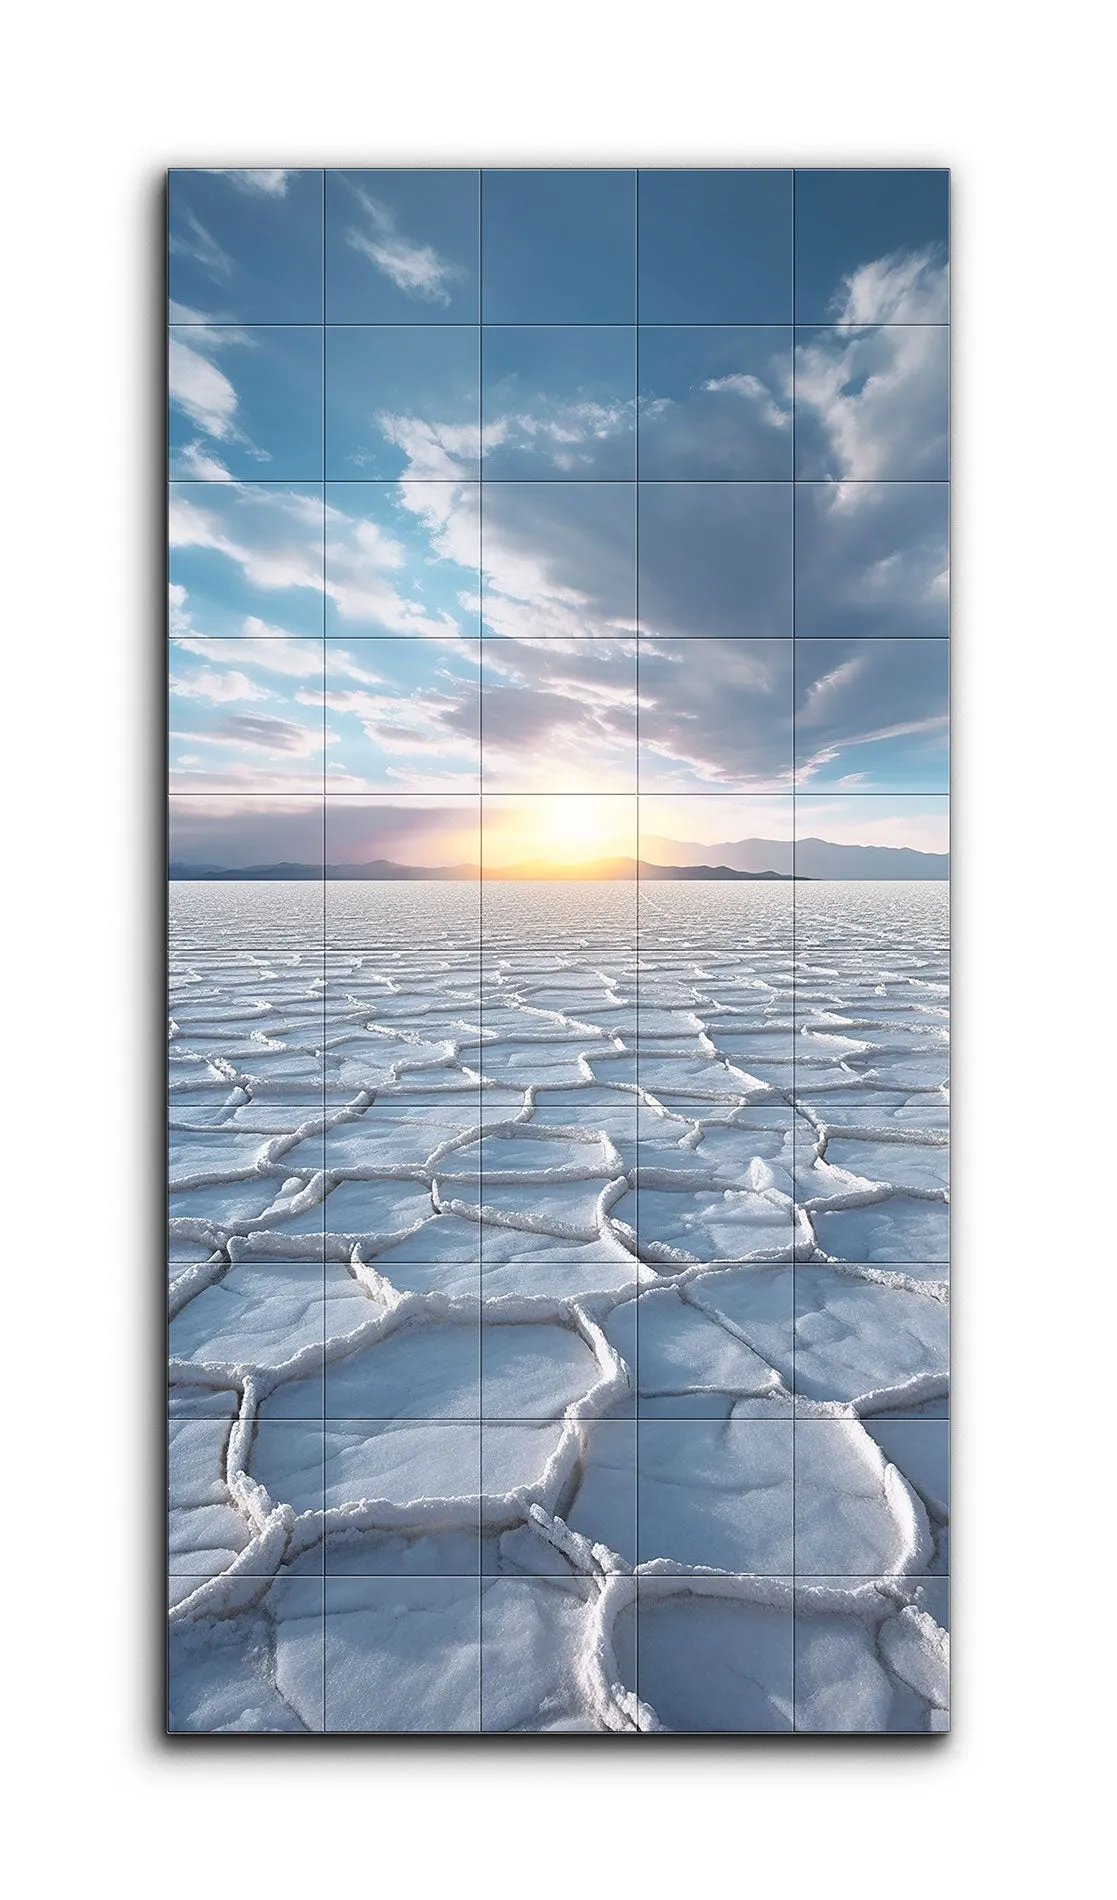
(191, 239)
(416, 269)
(269, 182)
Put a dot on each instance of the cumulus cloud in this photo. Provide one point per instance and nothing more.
(273, 535)
(905, 287)
(301, 659)
(216, 688)
(871, 400)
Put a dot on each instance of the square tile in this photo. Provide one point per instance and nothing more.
(844, 834)
(558, 712)
(872, 1655)
(856, 1511)
(687, 1362)
(401, 246)
(277, 1211)
(559, 1168)
(535, 1632)
(716, 1494)
(715, 404)
(245, 246)
(398, 838)
(727, 1195)
(875, 711)
(715, 715)
(872, 403)
(251, 1022)
(402, 402)
(403, 714)
(250, 833)
(402, 1497)
(246, 559)
(559, 559)
(871, 560)
(524, 1464)
(870, 1338)
(384, 1190)
(245, 403)
(716, 246)
(754, 1305)
(870, 245)
(402, 1022)
(548, 1200)
(402, 560)
(714, 1655)
(542, 1367)
(414, 1362)
(257, 1672)
(537, 836)
(402, 1655)
(246, 716)
(233, 1187)
(716, 559)
(558, 246)
(558, 403)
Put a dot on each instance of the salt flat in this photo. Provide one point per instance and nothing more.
(558, 1311)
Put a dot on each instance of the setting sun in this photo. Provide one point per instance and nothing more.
(567, 829)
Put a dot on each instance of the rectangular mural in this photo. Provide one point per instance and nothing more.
(558, 951)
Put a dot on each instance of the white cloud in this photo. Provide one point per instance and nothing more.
(201, 245)
(216, 688)
(272, 183)
(259, 732)
(876, 394)
(906, 287)
(196, 461)
(416, 269)
(202, 391)
(274, 536)
(775, 414)
(298, 659)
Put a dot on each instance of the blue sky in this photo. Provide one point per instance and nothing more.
(846, 221)
(353, 611)
(559, 247)
(401, 247)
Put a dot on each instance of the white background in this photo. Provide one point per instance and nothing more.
(98, 100)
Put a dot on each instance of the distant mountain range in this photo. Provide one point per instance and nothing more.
(383, 870)
(814, 857)
(662, 860)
